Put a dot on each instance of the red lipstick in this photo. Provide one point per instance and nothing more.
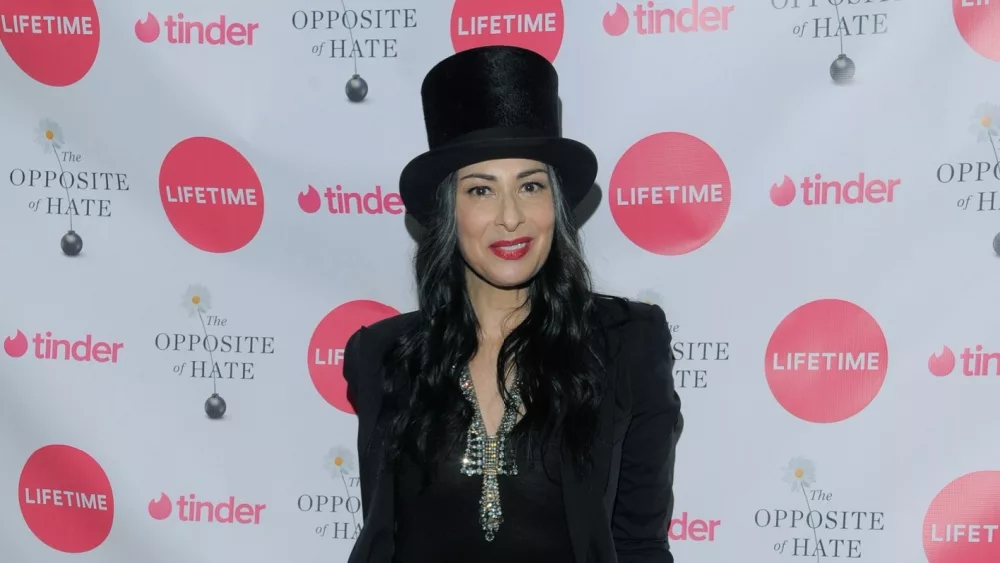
(511, 249)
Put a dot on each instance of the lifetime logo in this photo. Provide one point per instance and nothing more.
(190, 509)
(48, 347)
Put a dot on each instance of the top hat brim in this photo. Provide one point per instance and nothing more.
(575, 164)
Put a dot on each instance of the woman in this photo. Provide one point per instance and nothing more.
(516, 415)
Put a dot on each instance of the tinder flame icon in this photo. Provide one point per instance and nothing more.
(784, 193)
(942, 364)
(616, 23)
(309, 200)
(149, 30)
(15, 346)
(160, 509)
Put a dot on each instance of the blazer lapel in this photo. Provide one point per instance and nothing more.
(578, 511)
(375, 542)
(584, 495)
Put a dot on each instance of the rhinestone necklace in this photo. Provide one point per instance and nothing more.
(488, 455)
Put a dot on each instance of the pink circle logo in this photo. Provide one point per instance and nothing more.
(670, 193)
(53, 41)
(826, 361)
(66, 499)
(326, 348)
(962, 524)
(978, 22)
(530, 24)
(211, 195)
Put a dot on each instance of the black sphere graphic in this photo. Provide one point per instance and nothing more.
(842, 69)
(996, 244)
(215, 406)
(356, 88)
(71, 243)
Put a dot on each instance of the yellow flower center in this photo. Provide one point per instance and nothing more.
(338, 461)
(799, 473)
(195, 299)
(986, 121)
(49, 134)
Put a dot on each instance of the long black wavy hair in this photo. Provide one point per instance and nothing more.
(553, 349)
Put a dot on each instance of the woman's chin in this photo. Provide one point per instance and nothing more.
(509, 280)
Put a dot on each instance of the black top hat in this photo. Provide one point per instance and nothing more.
(488, 103)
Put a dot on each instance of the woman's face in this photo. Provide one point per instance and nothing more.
(506, 219)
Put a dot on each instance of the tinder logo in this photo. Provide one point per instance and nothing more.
(180, 30)
(47, 347)
(693, 529)
(651, 20)
(190, 509)
(340, 201)
(974, 362)
(816, 190)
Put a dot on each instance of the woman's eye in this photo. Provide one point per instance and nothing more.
(483, 191)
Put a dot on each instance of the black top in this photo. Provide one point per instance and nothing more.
(441, 522)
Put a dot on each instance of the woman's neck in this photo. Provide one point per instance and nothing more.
(499, 310)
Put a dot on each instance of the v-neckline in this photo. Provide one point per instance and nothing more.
(477, 407)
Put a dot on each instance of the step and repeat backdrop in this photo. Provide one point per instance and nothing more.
(198, 205)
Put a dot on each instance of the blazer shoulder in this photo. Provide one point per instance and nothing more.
(364, 354)
(639, 319)
(367, 346)
(380, 334)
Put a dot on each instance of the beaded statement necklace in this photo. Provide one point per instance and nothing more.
(488, 455)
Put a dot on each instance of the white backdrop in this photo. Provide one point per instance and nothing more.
(822, 247)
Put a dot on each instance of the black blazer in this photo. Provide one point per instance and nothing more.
(622, 509)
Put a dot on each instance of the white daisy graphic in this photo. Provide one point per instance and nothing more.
(800, 473)
(986, 122)
(49, 135)
(196, 298)
(340, 461)
(650, 297)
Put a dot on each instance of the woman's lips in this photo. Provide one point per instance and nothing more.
(511, 249)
